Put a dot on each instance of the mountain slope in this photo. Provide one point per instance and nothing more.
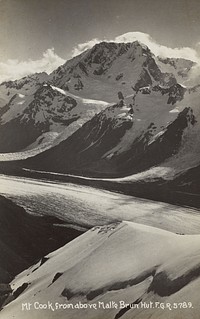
(108, 68)
(39, 111)
(140, 131)
(47, 112)
(75, 274)
(113, 111)
(181, 68)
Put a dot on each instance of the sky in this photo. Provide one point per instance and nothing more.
(39, 35)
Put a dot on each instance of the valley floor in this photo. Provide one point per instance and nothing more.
(84, 206)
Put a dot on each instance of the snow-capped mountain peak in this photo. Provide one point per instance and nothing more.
(125, 77)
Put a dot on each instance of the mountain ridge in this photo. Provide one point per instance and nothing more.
(112, 111)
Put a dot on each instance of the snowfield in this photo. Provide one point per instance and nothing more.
(121, 262)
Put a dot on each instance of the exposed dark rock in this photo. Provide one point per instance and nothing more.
(115, 286)
(20, 290)
(79, 85)
(119, 76)
(162, 285)
(144, 80)
(99, 71)
(57, 275)
(130, 306)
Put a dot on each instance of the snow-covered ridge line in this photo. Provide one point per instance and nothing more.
(74, 273)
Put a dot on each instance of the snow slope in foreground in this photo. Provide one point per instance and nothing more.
(119, 262)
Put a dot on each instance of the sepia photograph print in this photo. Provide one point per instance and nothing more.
(99, 159)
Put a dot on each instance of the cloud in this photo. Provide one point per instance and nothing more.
(81, 47)
(157, 49)
(194, 75)
(15, 69)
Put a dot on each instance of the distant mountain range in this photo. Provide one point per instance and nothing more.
(116, 110)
